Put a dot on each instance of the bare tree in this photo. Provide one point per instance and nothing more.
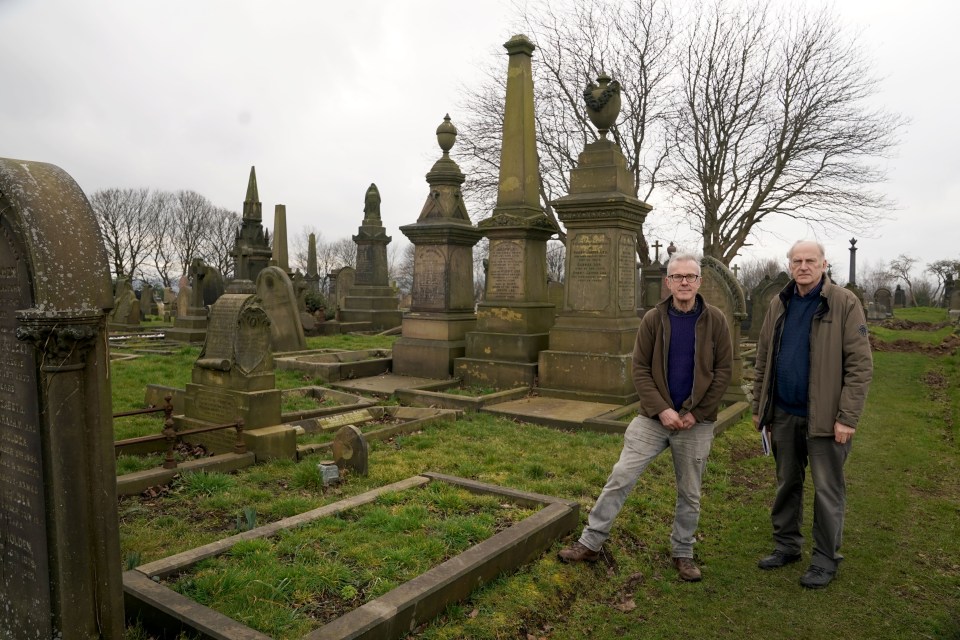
(401, 263)
(125, 219)
(752, 272)
(343, 253)
(191, 222)
(576, 42)
(162, 253)
(942, 270)
(901, 268)
(872, 276)
(774, 121)
(220, 239)
(556, 255)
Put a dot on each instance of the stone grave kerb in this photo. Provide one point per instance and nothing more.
(60, 565)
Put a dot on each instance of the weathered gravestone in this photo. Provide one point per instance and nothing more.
(351, 451)
(279, 301)
(125, 314)
(148, 306)
(760, 299)
(884, 300)
(59, 539)
(721, 289)
(899, 298)
(233, 377)
(343, 280)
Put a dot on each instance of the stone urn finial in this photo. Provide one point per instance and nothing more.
(672, 249)
(446, 135)
(603, 103)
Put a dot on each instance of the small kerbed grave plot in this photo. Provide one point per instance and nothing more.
(359, 567)
(455, 395)
(310, 402)
(331, 366)
(375, 423)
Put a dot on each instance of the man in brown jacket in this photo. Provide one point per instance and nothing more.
(813, 370)
(682, 363)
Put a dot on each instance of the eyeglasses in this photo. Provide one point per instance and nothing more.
(680, 277)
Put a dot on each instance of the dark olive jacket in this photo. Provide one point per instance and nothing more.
(712, 361)
(841, 364)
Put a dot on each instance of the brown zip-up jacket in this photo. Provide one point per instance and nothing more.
(712, 361)
(841, 364)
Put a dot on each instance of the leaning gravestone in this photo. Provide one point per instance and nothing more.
(59, 538)
(276, 291)
(351, 451)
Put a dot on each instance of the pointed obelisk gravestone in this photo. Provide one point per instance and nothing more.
(281, 256)
(591, 344)
(515, 317)
(251, 249)
(441, 308)
(371, 304)
(275, 290)
(59, 538)
(720, 288)
(313, 276)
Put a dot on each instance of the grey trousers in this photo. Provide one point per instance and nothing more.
(793, 450)
(643, 441)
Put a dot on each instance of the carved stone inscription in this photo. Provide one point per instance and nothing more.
(366, 265)
(429, 278)
(627, 278)
(24, 576)
(505, 273)
(214, 406)
(589, 289)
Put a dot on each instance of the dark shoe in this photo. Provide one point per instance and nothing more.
(688, 570)
(816, 577)
(578, 553)
(778, 559)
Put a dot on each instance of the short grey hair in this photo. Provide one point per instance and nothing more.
(684, 257)
(823, 252)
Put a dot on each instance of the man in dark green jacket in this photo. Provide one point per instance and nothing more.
(814, 367)
(682, 364)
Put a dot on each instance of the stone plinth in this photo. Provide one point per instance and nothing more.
(59, 537)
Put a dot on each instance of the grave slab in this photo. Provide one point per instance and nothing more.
(552, 412)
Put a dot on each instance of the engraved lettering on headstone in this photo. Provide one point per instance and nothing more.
(216, 407)
(429, 278)
(627, 279)
(588, 289)
(505, 273)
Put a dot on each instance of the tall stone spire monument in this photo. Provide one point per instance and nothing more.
(371, 303)
(515, 317)
(592, 341)
(251, 248)
(441, 311)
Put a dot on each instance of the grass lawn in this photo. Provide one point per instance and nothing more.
(900, 579)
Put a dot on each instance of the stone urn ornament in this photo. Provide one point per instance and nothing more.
(603, 103)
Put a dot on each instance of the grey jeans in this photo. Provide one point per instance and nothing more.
(644, 440)
(793, 450)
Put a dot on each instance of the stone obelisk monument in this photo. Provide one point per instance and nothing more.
(281, 255)
(591, 344)
(515, 317)
(441, 310)
(371, 303)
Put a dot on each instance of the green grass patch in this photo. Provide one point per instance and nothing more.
(302, 578)
(921, 314)
(351, 341)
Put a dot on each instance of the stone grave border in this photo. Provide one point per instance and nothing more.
(393, 614)
(434, 396)
(372, 365)
(610, 422)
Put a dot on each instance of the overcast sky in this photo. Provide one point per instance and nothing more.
(325, 98)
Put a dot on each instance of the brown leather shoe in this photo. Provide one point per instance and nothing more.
(688, 570)
(578, 553)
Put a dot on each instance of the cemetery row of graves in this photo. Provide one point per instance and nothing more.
(244, 471)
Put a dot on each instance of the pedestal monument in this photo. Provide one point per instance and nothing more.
(441, 308)
(591, 344)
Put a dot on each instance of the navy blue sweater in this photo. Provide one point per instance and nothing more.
(793, 358)
(683, 340)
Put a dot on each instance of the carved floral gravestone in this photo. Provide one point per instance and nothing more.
(59, 539)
